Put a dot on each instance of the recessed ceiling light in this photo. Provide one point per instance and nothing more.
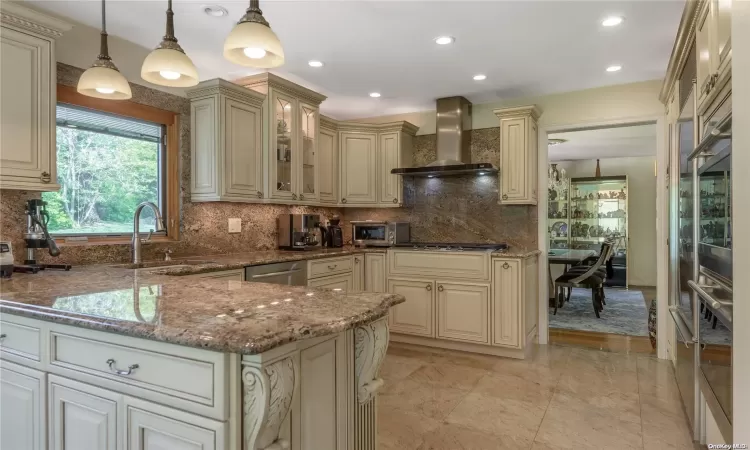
(445, 40)
(215, 10)
(480, 77)
(314, 63)
(374, 94)
(614, 68)
(612, 21)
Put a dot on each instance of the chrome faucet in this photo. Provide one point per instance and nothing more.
(137, 241)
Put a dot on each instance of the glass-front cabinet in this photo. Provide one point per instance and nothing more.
(285, 152)
(308, 176)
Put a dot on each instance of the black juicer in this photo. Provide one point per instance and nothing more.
(37, 236)
(332, 235)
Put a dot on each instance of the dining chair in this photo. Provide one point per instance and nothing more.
(590, 278)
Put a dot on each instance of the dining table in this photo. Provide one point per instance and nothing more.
(567, 257)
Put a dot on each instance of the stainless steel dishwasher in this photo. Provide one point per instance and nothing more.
(287, 273)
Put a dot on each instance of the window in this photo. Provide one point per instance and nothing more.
(111, 156)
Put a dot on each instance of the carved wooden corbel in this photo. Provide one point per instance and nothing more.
(370, 345)
(268, 392)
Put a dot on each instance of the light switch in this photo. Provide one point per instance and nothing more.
(235, 225)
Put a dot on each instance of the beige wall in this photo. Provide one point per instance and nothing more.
(636, 100)
(641, 209)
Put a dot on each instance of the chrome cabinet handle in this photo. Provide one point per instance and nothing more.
(302, 196)
(440, 287)
(395, 200)
(332, 267)
(131, 368)
(506, 265)
(343, 200)
(428, 287)
(46, 177)
(260, 194)
(505, 196)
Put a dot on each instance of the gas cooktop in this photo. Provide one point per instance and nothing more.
(453, 247)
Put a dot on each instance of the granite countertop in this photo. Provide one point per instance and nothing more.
(517, 253)
(222, 315)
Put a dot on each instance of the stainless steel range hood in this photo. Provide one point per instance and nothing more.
(453, 143)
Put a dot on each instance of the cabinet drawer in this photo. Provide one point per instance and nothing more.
(20, 340)
(329, 266)
(336, 282)
(177, 376)
(468, 265)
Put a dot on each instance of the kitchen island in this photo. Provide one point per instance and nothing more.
(110, 357)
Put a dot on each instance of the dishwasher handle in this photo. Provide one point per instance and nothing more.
(274, 274)
(682, 327)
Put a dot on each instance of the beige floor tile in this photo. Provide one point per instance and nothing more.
(510, 419)
(572, 423)
(656, 376)
(448, 375)
(465, 359)
(399, 367)
(530, 388)
(453, 437)
(399, 430)
(665, 426)
(596, 373)
(422, 398)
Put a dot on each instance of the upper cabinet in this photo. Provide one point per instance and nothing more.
(291, 138)
(518, 154)
(328, 158)
(713, 47)
(226, 142)
(27, 88)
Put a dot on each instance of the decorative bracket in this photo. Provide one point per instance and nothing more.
(370, 345)
(268, 392)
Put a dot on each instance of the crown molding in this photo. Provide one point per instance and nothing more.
(529, 110)
(327, 122)
(282, 84)
(20, 17)
(402, 126)
(681, 49)
(228, 89)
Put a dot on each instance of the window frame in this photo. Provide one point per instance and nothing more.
(169, 165)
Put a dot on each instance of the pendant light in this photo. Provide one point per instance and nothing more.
(252, 43)
(168, 65)
(102, 79)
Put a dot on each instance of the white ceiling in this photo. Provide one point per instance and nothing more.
(525, 47)
(604, 143)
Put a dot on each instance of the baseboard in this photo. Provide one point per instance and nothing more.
(461, 346)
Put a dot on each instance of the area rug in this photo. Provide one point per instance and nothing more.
(624, 313)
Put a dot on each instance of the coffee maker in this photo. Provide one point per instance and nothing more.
(333, 237)
(298, 231)
(37, 237)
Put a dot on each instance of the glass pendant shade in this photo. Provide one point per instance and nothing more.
(168, 65)
(102, 79)
(252, 43)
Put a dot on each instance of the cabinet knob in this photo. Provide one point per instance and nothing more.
(332, 267)
(440, 287)
(395, 200)
(260, 194)
(506, 265)
(343, 200)
(428, 287)
(112, 368)
(294, 196)
(302, 196)
(356, 260)
(505, 196)
(45, 177)
(3, 336)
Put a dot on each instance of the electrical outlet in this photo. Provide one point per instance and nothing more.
(235, 225)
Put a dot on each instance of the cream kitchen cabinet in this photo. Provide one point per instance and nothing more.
(359, 175)
(394, 151)
(28, 91)
(328, 158)
(518, 154)
(291, 137)
(375, 269)
(713, 48)
(416, 316)
(344, 282)
(463, 312)
(226, 142)
(358, 273)
(22, 408)
(514, 301)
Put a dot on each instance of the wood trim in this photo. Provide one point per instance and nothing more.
(682, 46)
(601, 341)
(69, 95)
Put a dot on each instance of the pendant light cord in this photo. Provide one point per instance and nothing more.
(170, 23)
(254, 14)
(104, 49)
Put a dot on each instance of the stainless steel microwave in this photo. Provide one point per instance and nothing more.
(370, 233)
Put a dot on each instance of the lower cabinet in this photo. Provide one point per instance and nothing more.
(345, 282)
(358, 273)
(22, 408)
(154, 427)
(374, 276)
(417, 315)
(463, 312)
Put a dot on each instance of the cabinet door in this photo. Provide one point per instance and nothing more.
(26, 112)
(243, 164)
(374, 279)
(283, 147)
(204, 123)
(515, 163)
(704, 56)
(82, 417)
(388, 158)
(22, 408)
(463, 312)
(156, 430)
(309, 178)
(344, 282)
(506, 300)
(328, 173)
(416, 315)
(722, 20)
(358, 168)
(358, 274)
(532, 174)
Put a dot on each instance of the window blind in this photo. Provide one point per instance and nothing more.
(100, 122)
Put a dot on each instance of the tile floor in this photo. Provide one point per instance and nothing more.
(561, 398)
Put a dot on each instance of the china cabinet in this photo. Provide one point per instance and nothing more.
(28, 81)
(558, 211)
(518, 154)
